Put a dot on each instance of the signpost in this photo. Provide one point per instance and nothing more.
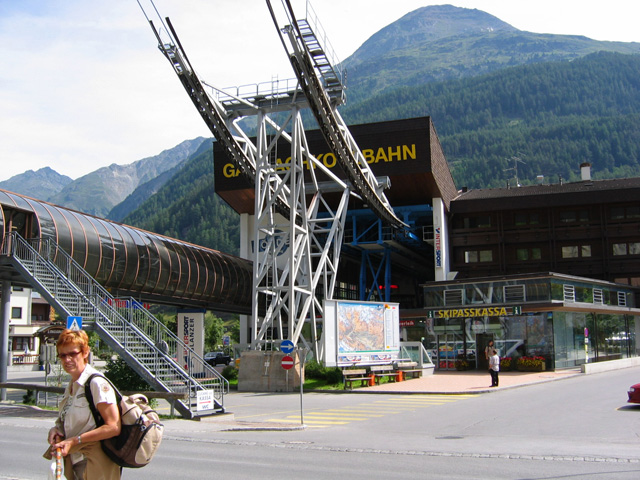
(586, 345)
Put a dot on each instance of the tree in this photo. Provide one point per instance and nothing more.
(213, 332)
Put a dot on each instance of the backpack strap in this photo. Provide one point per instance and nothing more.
(94, 410)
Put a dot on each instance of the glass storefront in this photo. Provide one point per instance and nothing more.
(530, 317)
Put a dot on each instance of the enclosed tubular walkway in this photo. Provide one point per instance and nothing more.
(131, 262)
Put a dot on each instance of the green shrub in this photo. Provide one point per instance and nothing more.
(124, 377)
(334, 375)
(314, 370)
(28, 398)
(230, 372)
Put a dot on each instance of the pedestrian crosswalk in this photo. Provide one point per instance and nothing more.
(370, 410)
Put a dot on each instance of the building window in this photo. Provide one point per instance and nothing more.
(569, 292)
(475, 256)
(514, 293)
(523, 254)
(622, 299)
(598, 296)
(483, 221)
(16, 312)
(522, 219)
(576, 251)
(625, 213)
(631, 248)
(453, 297)
(574, 216)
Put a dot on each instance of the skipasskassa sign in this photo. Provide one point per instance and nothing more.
(474, 312)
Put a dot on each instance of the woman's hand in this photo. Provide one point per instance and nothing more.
(65, 445)
(55, 436)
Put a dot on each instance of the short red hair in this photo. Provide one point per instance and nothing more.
(77, 338)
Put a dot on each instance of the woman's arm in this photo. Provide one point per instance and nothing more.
(111, 428)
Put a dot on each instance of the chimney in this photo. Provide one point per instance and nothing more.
(540, 179)
(585, 171)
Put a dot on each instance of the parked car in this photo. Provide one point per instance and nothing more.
(217, 358)
(634, 393)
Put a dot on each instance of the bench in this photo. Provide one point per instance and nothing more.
(382, 371)
(409, 368)
(355, 375)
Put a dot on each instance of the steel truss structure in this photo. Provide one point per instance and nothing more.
(298, 233)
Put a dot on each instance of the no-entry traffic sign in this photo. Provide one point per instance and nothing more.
(287, 362)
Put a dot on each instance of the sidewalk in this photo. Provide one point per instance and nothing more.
(467, 382)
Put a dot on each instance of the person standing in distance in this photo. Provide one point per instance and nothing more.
(488, 350)
(494, 368)
(75, 431)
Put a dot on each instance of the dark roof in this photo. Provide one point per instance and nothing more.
(536, 196)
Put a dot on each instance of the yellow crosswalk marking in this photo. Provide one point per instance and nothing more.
(372, 410)
(332, 416)
(359, 413)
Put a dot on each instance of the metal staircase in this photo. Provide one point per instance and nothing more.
(318, 79)
(163, 360)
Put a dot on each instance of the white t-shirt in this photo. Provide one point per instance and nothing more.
(494, 362)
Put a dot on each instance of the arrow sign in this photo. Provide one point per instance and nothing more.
(287, 346)
(287, 362)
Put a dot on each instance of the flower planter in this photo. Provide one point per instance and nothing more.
(531, 364)
(532, 368)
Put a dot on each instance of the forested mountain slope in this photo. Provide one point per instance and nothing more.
(552, 115)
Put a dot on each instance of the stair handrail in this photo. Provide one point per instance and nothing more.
(71, 269)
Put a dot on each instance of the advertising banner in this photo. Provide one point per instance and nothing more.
(191, 332)
(361, 333)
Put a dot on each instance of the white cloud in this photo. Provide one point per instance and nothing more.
(83, 84)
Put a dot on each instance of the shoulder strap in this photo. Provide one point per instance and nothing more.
(87, 391)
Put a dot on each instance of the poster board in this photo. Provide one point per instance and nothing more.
(360, 333)
(191, 332)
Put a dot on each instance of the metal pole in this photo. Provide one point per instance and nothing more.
(301, 362)
(5, 317)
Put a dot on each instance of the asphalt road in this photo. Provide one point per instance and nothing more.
(579, 427)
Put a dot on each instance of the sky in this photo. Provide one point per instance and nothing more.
(83, 84)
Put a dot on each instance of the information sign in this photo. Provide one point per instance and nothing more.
(205, 400)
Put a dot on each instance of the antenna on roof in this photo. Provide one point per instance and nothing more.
(516, 160)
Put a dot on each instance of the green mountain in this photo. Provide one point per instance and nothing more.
(495, 94)
(98, 192)
(553, 116)
(445, 42)
(41, 184)
(187, 208)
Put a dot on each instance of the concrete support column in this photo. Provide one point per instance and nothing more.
(246, 251)
(5, 316)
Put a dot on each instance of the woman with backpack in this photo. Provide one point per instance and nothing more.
(75, 432)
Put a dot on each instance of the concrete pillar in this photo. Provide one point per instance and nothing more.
(246, 236)
(5, 316)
